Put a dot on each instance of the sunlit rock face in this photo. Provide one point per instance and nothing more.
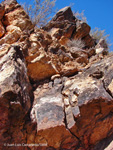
(56, 84)
(82, 103)
(15, 95)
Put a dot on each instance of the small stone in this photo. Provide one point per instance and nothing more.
(74, 98)
(55, 76)
(66, 101)
(4, 49)
(69, 117)
(76, 111)
(66, 92)
(57, 81)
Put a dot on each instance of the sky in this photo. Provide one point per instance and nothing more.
(99, 13)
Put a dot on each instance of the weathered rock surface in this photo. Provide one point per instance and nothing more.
(101, 47)
(52, 95)
(64, 26)
(44, 49)
(15, 95)
(48, 112)
(15, 15)
(2, 11)
(2, 30)
(83, 104)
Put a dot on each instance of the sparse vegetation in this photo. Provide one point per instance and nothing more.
(98, 34)
(40, 12)
(76, 43)
(80, 16)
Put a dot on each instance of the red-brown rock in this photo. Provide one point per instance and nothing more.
(49, 115)
(69, 103)
(2, 11)
(15, 98)
(2, 30)
(19, 18)
(65, 25)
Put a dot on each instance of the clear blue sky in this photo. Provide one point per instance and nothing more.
(99, 13)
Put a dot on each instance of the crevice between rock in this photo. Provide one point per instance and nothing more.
(66, 125)
(65, 120)
(107, 90)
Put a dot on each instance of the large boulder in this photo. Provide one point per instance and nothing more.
(41, 68)
(15, 15)
(12, 36)
(64, 14)
(82, 29)
(15, 95)
(48, 112)
(81, 105)
(19, 18)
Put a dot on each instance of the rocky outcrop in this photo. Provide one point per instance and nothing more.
(49, 115)
(45, 49)
(82, 105)
(64, 26)
(15, 95)
(15, 15)
(56, 85)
